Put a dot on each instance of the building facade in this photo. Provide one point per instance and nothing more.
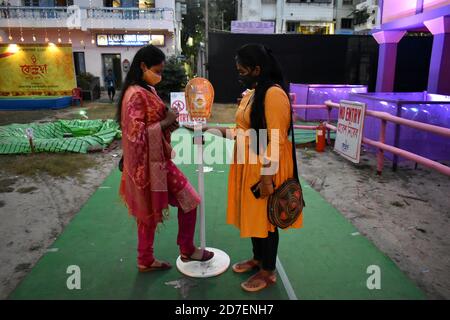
(105, 34)
(301, 16)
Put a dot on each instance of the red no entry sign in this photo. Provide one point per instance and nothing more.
(178, 105)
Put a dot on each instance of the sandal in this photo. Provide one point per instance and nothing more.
(163, 266)
(259, 281)
(245, 266)
(206, 256)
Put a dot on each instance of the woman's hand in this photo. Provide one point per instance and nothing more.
(174, 126)
(192, 128)
(266, 187)
(169, 120)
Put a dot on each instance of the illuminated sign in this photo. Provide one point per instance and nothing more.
(129, 40)
(36, 70)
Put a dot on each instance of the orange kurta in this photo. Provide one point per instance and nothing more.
(245, 211)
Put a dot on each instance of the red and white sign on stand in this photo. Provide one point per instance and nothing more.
(350, 129)
(178, 103)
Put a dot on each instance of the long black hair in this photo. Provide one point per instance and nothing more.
(151, 56)
(250, 56)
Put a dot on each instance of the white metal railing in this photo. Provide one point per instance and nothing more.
(21, 12)
(13, 12)
(128, 13)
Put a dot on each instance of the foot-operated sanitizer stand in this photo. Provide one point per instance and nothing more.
(199, 99)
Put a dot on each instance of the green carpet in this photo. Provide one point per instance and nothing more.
(323, 260)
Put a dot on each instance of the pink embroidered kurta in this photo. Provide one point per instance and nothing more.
(150, 178)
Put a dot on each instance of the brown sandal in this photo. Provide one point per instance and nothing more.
(245, 266)
(164, 266)
(265, 280)
(206, 256)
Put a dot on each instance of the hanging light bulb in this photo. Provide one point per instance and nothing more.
(10, 37)
(46, 39)
(59, 40)
(22, 39)
(93, 41)
(34, 38)
(70, 40)
(82, 42)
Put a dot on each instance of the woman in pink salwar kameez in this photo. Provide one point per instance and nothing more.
(150, 180)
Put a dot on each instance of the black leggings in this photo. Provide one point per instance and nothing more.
(265, 250)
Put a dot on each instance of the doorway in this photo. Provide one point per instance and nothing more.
(113, 62)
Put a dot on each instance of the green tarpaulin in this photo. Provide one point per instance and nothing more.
(78, 136)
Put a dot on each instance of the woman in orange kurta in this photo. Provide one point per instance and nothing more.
(264, 105)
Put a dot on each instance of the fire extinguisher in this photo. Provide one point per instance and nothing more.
(320, 138)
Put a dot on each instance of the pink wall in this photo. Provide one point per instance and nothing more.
(395, 9)
(432, 4)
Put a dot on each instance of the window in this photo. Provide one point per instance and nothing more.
(309, 1)
(31, 3)
(47, 3)
(78, 59)
(146, 4)
(308, 27)
(112, 3)
(347, 2)
(346, 23)
(291, 26)
(63, 3)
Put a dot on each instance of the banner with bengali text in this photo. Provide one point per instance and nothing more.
(36, 70)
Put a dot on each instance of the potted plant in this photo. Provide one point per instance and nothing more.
(90, 86)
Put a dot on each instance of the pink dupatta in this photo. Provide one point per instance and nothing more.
(146, 150)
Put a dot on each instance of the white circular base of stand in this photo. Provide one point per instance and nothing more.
(197, 269)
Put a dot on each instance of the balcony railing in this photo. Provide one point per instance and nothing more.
(129, 13)
(19, 12)
(13, 12)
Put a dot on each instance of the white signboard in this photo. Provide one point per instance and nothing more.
(129, 40)
(178, 103)
(350, 130)
(261, 27)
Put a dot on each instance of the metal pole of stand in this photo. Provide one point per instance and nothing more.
(221, 261)
(198, 139)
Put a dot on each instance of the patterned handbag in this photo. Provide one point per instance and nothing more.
(285, 205)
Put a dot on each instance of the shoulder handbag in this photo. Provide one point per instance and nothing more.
(285, 205)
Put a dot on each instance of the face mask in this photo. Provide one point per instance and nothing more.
(152, 78)
(247, 81)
